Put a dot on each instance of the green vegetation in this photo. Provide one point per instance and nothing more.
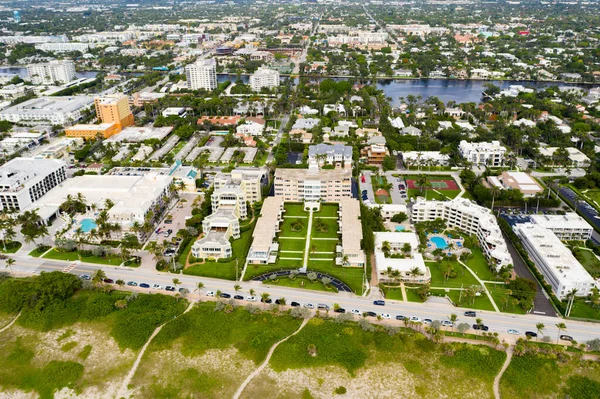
(109, 259)
(39, 251)
(299, 282)
(393, 293)
(588, 260)
(450, 273)
(10, 247)
(479, 264)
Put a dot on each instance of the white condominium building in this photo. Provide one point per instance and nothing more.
(555, 261)
(50, 72)
(350, 253)
(202, 75)
(55, 110)
(264, 249)
(25, 180)
(568, 227)
(249, 180)
(63, 47)
(471, 218)
(329, 185)
(264, 77)
(490, 154)
(325, 153)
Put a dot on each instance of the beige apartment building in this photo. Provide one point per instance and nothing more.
(328, 185)
(249, 180)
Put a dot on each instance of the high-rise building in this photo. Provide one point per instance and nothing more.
(202, 75)
(115, 109)
(52, 72)
(264, 77)
(17, 16)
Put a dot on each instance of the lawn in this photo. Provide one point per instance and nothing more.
(299, 282)
(584, 310)
(498, 293)
(38, 251)
(10, 247)
(288, 231)
(327, 210)
(394, 293)
(225, 270)
(412, 296)
(328, 228)
(352, 276)
(481, 302)
(479, 264)
(463, 276)
(291, 245)
(324, 245)
(113, 260)
(294, 209)
(588, 261)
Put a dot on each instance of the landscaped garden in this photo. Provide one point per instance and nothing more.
(84, 256)
(10, 247)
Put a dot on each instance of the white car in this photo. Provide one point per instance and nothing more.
(309, 306)
(210, 293)
(251, 298)
(356, 311)
(447, 323)
(156, 286)
(415, 319)
(385, 316)
(515, 332)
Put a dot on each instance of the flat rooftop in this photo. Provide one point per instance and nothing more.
(16, 172)
(570, 220)
(313, 174)
(138, 134)
(264, 232)
(45, 105)
(351, 226)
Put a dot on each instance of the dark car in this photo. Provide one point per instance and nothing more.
(371, 314)
(225, 295)
(470, 313)
(184, 291)
(379, 303)
(566, 338)
(400, 317)
(268, 300)
(109, 280)
(294, 304)
(85, 277)
(170, 288)
(144, 285)
(530, 334)
(132, 284)
(279, 301)
(481, 327)
(238, 297)
(339, 310)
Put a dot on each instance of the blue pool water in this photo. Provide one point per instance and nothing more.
(87, 225)
(439, 242)
(399, 228)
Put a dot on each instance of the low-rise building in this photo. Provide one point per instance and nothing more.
(402, 260)
(252, 127)
(516, 181)
(577, 158)
(567, 227)
(135, 134)
(350, 253)
(55, 110)
(555, 261)
(374, 154)
(174, 111)
(264, 248)
(490, 154)
(425, 158)
(462, 214)
(91, 131)
(330, 154)
(249, 180)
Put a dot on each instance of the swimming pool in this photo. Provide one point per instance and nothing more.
(87, 225)
(439, 242)
(399, 228)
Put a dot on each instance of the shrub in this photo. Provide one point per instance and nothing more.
(340, 390)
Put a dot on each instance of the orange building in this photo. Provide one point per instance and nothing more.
(91, 132)
(114, 109)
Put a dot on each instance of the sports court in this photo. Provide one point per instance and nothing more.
(435, 184)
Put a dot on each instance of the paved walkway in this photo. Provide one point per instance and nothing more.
(266, 361)
(6, 327)
(307, 246)
(509, 353)
(482, 285)
(403, 290)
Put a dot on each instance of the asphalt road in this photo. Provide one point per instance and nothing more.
(497, 322)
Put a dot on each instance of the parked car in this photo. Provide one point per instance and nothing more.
(279, 301)
(184, 291)
(156, 286)
(339, 310)
(85, 277)
(379, 303)
(356, 311)
(385, 316)
(415, 319)
(294, 304)
(447, 323)
(132, 284)
(514, 332)
(144, 285)
(470, 313)
(225, 295)
(309, 306)
(531, 334)
(566, 338)
(210, 293)
(481, 327)
(238, 297)
(400, 317)
(170, 288)
(268, 300)
(371, 314)
(322, 306)
(427, 321)
(109, 280)
(251, 298)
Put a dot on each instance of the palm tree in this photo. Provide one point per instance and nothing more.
(176, 282)
(236, 288)
(281, 301)
(494, 191)
(453, 317)
(414, 272)
(199, 287)
(478, 322)
(9, 235)
(98, 277)
(9, 263)
(561, 327)
(120, 283)
(252, 292)
(539, 327)
(264, 296)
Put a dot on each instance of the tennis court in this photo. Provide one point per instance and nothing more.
(435, 184)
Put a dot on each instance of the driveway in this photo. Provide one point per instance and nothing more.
(366, 185)
(394, 192)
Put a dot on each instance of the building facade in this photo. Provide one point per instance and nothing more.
(264, 77)
(114, 109)
(202, 75)
(328, 185)
(25, 180)
(568, 227)
(51, 72)
(490, 154)
(264, 248)
(54, 110)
